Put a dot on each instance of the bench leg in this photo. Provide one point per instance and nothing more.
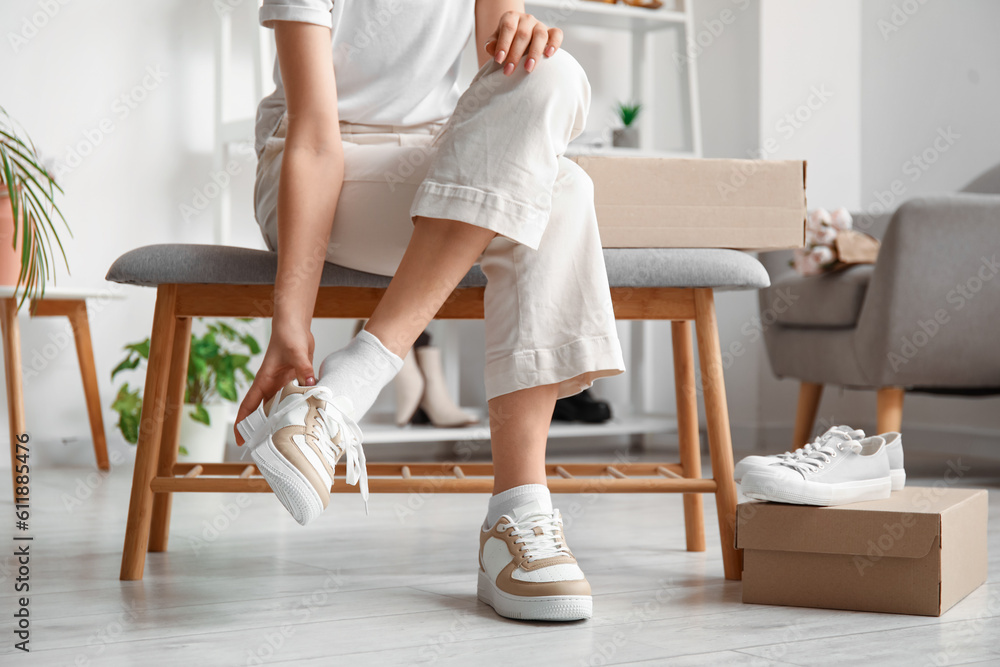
(687, 431)
(140, 507)
(88, 372)
(15, 381)
(717, 420)
(170, 440)
(805, 416)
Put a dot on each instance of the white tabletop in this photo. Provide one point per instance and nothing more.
(55, 292)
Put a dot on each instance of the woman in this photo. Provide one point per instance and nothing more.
(371, 160)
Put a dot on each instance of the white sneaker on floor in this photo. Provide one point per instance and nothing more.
(296, 439)
(838, 472)
(527, 572)
(751, 462)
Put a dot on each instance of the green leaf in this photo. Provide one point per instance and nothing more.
(628, 112)
(183, 450)
(251, 344)
(141, 348)
(126, 364)
(128, 405)
(200, 414)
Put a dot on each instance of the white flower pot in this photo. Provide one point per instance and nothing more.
(204, 444)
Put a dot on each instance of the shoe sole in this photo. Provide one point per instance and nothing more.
(898, 477)
(289, 485)
(803, 492)
(544, 608)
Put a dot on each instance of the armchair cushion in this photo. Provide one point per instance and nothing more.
(831, 300)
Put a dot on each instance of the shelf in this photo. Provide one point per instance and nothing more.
(603, 15)
(614, 151)
(380, 429)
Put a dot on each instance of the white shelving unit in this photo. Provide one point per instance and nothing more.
(639, 24)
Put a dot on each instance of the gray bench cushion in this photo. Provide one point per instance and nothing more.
(627, 267)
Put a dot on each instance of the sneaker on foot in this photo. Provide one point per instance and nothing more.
(836, 473)
(527, 572)
(751, 462)
(296, 439)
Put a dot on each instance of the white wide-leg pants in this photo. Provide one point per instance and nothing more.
(497, 163)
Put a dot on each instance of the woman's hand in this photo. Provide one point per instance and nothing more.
(520, 35)
(289, 356)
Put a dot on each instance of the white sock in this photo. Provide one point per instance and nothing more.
(506, 502)
(358, 372)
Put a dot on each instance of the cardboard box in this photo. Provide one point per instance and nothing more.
(918, 552)
(698, 203)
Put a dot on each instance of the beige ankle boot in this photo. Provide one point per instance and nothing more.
(438, 405)
(409, 386)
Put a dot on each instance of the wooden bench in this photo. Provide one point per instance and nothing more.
(220, 281)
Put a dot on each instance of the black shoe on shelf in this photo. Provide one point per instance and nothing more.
(582, 407)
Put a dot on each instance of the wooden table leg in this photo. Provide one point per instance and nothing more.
(687, 431)
(890, 409)
(88, 372)
(140, 509)
(720, 441)
(160, 529)
(13, 375)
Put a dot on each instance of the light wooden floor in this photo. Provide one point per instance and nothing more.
(245, 585)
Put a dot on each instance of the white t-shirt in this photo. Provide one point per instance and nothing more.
(396, 61)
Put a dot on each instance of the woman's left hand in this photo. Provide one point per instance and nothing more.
(520, 35)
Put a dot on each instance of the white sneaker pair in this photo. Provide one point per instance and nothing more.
(841, 466)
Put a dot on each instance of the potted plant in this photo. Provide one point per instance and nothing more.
(28, 213)
(627, 136)
(217, 370)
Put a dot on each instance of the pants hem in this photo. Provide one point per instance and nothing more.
(574, 367)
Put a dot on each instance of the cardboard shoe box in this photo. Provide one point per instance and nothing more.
(918, 552)
(698, 203)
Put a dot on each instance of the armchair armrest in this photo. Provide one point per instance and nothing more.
(931, 314)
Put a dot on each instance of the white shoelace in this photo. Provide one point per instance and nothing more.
(546, 545)
(333, 421)
(845, 434)
(818, 457)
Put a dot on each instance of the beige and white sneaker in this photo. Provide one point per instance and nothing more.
(527, 572)
(296, 439)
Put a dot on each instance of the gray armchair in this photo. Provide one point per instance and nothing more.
(925, 318)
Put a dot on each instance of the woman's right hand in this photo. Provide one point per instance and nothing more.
(289, 356)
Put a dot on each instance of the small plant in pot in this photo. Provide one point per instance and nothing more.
(217, 371)
(28, 214)
(627, 136)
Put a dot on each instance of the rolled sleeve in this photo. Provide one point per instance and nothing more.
(318, 12)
